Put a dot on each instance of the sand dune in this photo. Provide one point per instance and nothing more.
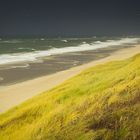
(13, 95)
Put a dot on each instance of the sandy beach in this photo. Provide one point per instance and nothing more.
(51, 64)
(15, 94)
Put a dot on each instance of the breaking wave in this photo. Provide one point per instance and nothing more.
(35, 55)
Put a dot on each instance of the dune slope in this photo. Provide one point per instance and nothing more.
(102, 102)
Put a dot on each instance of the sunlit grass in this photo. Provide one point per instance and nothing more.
(102, 102)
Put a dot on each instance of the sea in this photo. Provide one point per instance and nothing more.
(33, 49)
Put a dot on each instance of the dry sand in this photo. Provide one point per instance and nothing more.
(13, 95)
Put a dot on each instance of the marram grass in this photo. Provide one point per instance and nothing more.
(101, 103)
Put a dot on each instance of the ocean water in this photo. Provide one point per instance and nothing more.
(15, 50)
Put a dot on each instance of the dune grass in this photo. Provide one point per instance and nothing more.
(101, 103)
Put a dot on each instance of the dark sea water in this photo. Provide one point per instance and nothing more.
(16, 50)
(13, 45)
(27, 58)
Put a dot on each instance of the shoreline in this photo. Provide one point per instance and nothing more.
(12, 95)
(53, 64)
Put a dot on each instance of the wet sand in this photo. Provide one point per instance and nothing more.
(51, 65)
(12, 95)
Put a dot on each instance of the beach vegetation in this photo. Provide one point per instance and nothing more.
(101, 103)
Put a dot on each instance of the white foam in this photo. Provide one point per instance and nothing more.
(84, 42)
(22, 66)
(64, 40)
(34, 56)
(11, 41)
(21, 48)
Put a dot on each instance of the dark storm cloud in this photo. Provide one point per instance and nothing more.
(69, 17)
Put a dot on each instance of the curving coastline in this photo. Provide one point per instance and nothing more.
(15, 94)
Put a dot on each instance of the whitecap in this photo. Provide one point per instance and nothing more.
(64, 40)
(35, 55)
(84, 42)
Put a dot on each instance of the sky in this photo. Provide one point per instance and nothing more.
(69, 17)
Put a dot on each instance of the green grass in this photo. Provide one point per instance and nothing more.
(101, 103)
